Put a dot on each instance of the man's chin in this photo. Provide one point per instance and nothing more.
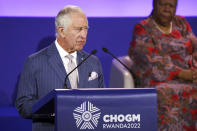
(76, 49)
(79, 48)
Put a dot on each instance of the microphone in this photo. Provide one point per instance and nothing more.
(136, 80)
(92, 53)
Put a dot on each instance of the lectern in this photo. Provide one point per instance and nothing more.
(101, 109)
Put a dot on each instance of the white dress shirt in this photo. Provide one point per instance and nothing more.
(63, 55)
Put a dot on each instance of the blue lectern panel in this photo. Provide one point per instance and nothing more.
(106, 109)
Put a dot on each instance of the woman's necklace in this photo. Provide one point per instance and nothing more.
(165, 32)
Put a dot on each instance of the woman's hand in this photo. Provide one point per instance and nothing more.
(187, 74)
(194, 75)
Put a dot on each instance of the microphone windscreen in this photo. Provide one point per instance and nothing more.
(105, 49)
(94, 51)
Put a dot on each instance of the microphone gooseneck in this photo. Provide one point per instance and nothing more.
(107, 51)
(92, 53)
(136, 80)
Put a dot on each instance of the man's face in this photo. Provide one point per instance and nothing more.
(75, 36)
(165, 11)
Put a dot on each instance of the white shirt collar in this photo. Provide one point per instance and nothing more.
(64, 53)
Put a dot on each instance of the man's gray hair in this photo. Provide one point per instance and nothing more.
(63, 19)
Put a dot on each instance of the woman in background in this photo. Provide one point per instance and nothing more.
(164, 52)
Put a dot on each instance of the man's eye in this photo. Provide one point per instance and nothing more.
(78, 29)
(81, 28)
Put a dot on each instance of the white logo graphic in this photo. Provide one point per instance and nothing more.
(86, 116)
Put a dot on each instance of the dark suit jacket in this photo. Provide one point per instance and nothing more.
(44, 71)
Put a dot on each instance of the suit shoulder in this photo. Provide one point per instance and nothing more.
(39, 54)
(85, 54)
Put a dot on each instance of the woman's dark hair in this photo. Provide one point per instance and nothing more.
(154, 4)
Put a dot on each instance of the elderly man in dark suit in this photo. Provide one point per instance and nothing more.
(46, 70)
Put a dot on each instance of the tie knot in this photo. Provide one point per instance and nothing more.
(70, 57)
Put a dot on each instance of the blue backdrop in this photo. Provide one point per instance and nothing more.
(21, 37)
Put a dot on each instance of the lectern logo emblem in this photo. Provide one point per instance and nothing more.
(86, 116)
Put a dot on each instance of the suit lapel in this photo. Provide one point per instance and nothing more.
(56, 63)
(81, 70)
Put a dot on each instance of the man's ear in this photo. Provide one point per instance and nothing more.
(61, 31)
